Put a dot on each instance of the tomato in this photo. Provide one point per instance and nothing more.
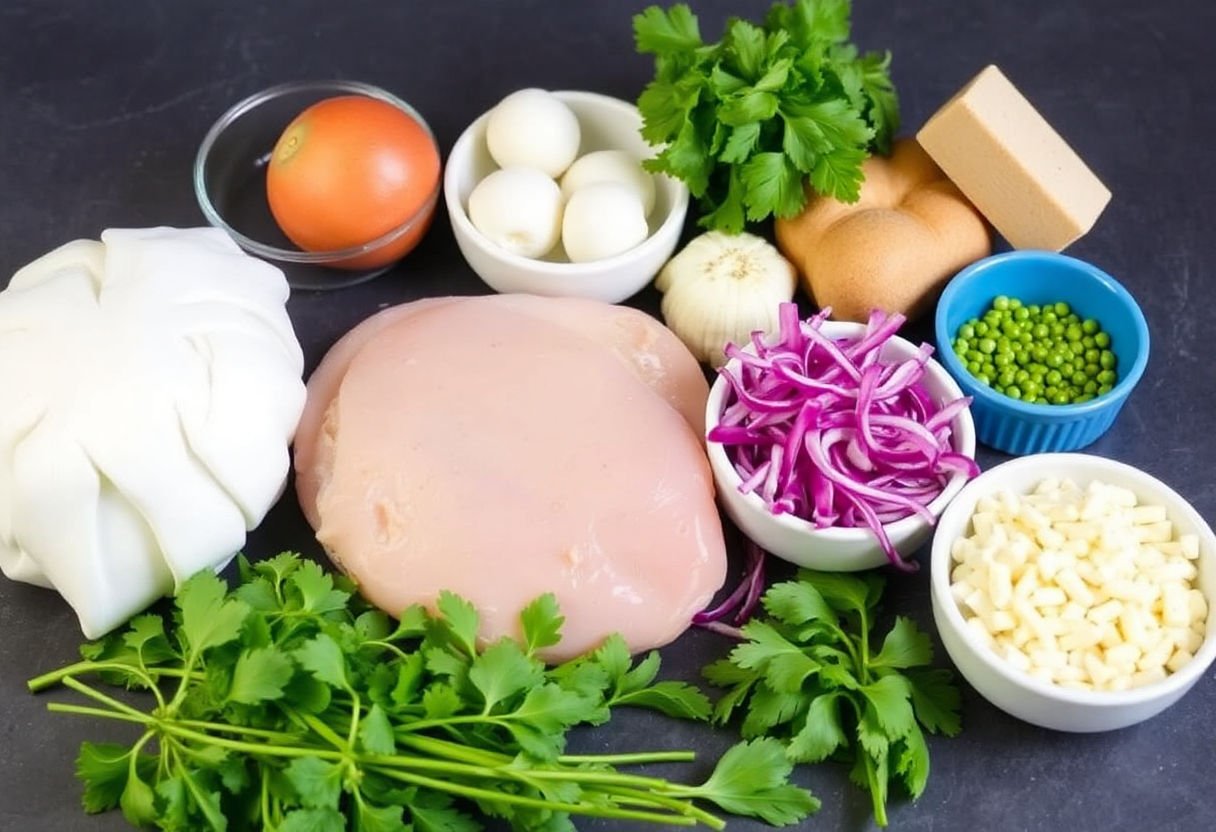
(348, 170)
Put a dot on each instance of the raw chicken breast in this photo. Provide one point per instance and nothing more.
(649, 349)
(480, 449)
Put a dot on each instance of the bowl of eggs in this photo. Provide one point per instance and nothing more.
(1072, 591)
(547, 195)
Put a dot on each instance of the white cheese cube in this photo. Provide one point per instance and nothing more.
(1178, 660)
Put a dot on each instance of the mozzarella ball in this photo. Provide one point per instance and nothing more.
(533, 128)
(519, 209)
(602, 220)
(610, 166)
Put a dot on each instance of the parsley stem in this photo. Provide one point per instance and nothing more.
(587, 809)
(96, 695)
(675, 804)
(85, 710)
(260, 733)
(175, 729)
(46, 680)
(309, 721)
(640, 758)
(453, 750)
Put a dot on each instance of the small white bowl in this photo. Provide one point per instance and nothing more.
(1018, 693)
(606, 123)
(836, 549)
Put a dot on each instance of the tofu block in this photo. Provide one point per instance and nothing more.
(1016, 169)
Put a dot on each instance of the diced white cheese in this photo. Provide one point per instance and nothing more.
(1083, 588)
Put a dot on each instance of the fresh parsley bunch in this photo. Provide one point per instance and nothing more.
(809, 677)
(290, 705)
(746, 121)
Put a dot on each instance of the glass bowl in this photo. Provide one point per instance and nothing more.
(230, 184)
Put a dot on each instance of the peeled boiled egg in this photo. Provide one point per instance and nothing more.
(519, 209)
(602, 220)
(610, 166)
(533, 128)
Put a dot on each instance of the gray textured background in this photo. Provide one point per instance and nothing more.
(102, 107)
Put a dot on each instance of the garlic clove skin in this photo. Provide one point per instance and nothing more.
(722, 287)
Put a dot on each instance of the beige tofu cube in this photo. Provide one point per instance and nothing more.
(1017, 170)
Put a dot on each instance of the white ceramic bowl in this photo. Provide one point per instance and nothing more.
(606, 123)
(835, 549)
(1017, 693)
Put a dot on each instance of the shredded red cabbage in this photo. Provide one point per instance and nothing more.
(824, 430)
(742, 601)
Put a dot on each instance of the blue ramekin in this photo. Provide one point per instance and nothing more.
(1041, 277)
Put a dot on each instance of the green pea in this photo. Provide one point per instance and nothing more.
(973, 367)
(1021, 314)
(1103, 389)
(1037, 376)
(1013, 392)
(1002, 359)
(1049, 392)
(1053, 377)
(1082, 399)
(987, 345)
(1090, 326)
(1015, 304)
(1025, 338)
(981, 328)
(1041, 331)
(1053, 359)
(1001, 303)
(1101, 340)
(1049, 315)
(1057, 329)
(1073, 332)
(1088, 342)
(1031, 390)
(1107, 359)
(1079, 378)
(1034, 309)
(1078, 364)
(1020, 375)
(1061, 309)
(1092, 356)
(1005, 378)
(1092, 370)
(966, 331)
(1106, 377)
(1021, 356)
(983, 378)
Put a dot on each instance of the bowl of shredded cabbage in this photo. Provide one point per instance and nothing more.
(837, 445)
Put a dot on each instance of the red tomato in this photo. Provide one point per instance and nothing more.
(348, 170)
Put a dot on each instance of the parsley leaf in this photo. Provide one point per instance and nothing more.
(807, 678)
(753, 121)
(259, 675)
(750, 779)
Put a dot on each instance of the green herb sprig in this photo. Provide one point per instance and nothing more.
(808, 676)
(288, 704)
(747, 121)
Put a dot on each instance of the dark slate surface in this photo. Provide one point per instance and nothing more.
(103, 105)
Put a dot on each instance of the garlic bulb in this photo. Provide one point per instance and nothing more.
(722, 287)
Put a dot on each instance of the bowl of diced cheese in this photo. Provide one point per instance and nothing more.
(1073, 591)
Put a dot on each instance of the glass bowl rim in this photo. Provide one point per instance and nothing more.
(265, 250)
